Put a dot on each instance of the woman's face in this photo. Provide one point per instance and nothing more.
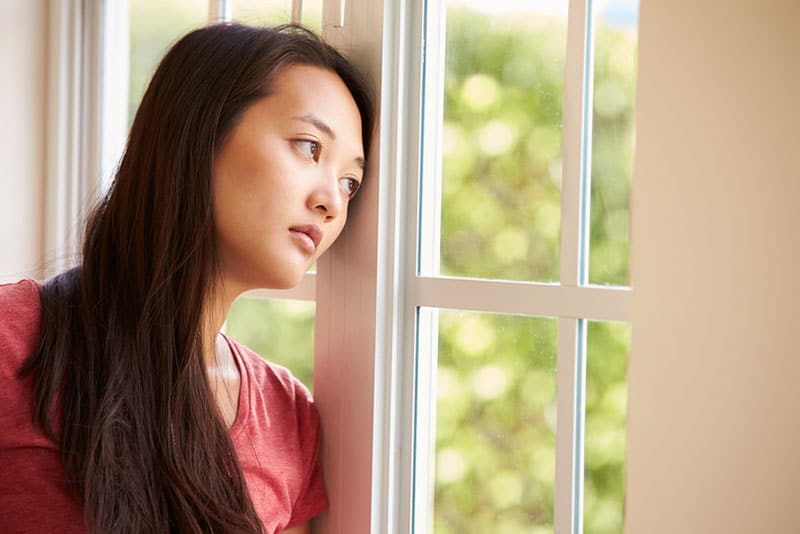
(284, 177)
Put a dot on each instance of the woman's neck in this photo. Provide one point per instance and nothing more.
(216, 310)
(221, 368)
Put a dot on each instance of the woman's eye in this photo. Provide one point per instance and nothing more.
(349, 186)
(309, 148)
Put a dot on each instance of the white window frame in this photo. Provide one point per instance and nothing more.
(368, 292)
(86, 107)
(404, 418)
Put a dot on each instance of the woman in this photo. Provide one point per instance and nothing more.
(124, 409)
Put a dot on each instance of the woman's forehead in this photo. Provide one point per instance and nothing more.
(317, 97)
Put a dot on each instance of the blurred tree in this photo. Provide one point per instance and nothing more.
(501, 219)
(282, 331)
(501, 205)
(612, 155)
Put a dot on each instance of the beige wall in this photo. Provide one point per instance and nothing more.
(714, 428)
(23, 46)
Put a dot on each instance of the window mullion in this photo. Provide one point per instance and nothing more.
(524, 298)
(219, 10)
(576, 154)
(396, 369)
(576, 151)
(432, 117)
(429, 216)
(570, 388)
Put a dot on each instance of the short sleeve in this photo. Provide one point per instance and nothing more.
(20, 315)
(278, 435)
(312, 499)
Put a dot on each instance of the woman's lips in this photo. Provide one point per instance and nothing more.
(308, 235)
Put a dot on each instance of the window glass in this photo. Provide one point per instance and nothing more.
(607, 351)
(281, 331)
(495, 423)
(155, 25)
(262, 12)
(272, 12)
(501, 139)
(615, 52)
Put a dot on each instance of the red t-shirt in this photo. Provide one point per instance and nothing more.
(276, 435)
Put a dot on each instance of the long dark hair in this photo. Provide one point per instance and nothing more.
(120, 368)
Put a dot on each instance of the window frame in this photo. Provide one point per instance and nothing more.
(408, 407)
(86, 106)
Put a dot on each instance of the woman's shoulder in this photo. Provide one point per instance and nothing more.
(20, 318)
(278, 440)
(270, 393)
(269, 377)
(20, 310)
(19, 293)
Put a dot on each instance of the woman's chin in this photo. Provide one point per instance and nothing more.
(285, 281)
(271, 276)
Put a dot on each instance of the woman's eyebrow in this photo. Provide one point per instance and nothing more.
(318, 123)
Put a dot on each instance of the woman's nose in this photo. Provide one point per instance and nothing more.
(326, 197)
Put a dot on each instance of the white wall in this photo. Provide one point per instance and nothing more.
(714, 430)
(23, 47)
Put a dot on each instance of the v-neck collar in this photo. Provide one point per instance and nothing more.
(243, 404)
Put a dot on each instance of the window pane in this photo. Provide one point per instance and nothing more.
(272, 12)
(262, 12)
(501, 139)
(606, 423)
(282, 331)
(155, 25)
(495, 427)
(616, 30)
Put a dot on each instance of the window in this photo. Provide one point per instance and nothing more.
(470, 328)
(154, 26)
(515, 401)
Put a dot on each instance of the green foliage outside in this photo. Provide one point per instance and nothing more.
(282, 331)
(606, 415)
(501, 219)
(612, 155)
(495, 423)
(501, 205)
(496, 417)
